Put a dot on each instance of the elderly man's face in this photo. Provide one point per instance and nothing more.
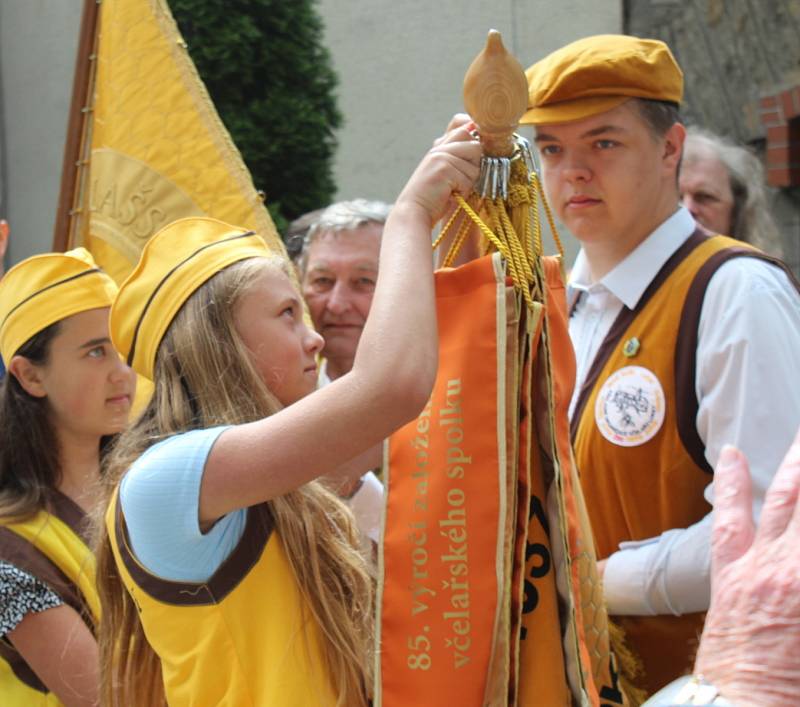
(338, 285)
(705, 188)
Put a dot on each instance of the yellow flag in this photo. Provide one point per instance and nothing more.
(153, 147)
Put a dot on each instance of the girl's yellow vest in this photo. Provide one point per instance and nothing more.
(52, 546)
(655, 484)
(244, 637)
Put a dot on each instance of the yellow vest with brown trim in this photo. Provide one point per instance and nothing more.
(655, 484)
(53, 547)
(244, 637)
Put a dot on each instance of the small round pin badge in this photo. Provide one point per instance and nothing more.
(631, 347)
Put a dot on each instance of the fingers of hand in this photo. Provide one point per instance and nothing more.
(459, 120)
(733, 520)
(451, 166)
(459, 170)
(460, 134)
(465, 154)
(780, 504)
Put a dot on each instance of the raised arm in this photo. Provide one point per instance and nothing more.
(394, 368)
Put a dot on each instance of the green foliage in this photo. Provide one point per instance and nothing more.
(271, 81)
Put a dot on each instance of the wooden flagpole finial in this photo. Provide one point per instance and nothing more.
(496, 96)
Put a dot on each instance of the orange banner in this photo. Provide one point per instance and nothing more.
(488, 590)
(443, 549)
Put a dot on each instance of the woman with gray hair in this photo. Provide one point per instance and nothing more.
(722, 185)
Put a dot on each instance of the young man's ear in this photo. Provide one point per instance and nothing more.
(673, 146)
(28, 375)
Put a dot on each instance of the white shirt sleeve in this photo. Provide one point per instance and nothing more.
(748, 370)
(367, 506)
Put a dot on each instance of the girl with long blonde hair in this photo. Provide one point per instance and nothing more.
(66, 391)
(228, 574)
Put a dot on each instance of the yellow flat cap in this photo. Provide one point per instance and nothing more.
(45, 289)
(174, 263)
(598, 73)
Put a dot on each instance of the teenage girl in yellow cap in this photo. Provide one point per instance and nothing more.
(229, 576)
(66, 390)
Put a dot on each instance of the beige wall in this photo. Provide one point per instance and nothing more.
(401, 64)
(38, 41)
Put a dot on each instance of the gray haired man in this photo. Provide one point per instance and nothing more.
(339, 267)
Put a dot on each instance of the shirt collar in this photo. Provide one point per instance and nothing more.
(629, 279)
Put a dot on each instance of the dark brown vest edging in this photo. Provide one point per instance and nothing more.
(20, 553)
(257, 531)
(687, 404)
(624, 320)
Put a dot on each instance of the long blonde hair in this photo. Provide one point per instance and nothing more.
(204, 377)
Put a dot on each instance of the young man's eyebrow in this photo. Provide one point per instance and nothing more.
(600, 130)
(603, 129)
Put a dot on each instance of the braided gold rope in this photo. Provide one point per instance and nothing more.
(446, 228)
(534, 234)
(515, 267)
(537, 187)
(523, 258)
(521, 245)
(484, 229)
(458, 241)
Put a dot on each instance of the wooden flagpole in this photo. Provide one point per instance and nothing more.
(78, 115)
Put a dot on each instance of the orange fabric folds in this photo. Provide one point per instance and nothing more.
(488, 591)
(488, 588)
(443, 551)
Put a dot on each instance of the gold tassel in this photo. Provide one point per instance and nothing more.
(629, 665)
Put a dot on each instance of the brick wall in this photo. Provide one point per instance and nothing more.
(741, 63)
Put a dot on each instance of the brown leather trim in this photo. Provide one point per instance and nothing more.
(624, 320)
(71, 514)
(233, 570)
(17, 551)
(22, 671)
(686, 404)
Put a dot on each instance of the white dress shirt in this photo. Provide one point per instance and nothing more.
(322, 377)
(747, 384)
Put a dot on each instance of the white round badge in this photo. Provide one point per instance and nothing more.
(629, 409)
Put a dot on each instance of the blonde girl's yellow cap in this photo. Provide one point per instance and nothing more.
(174, 263)
(45, 289)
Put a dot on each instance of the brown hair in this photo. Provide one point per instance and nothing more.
(659, 116)
(29, 456)
(204, 377)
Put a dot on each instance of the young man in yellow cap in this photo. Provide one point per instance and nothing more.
(683, 341)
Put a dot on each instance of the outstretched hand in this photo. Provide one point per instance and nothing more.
(750, 647)
(4, 231)
(451, 166)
